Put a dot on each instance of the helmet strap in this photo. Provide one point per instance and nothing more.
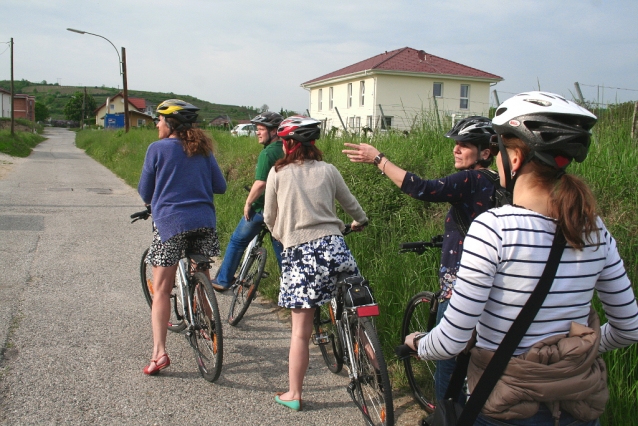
(289, 151)
(510, 178)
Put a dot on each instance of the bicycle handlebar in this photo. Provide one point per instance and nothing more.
(420, 246)
(348, 228)
(404, 351)
(144, 214)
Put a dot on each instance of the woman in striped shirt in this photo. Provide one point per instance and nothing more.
(504, 255)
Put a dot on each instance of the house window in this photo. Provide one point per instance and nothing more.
(140, 122)
(112, 107)
(349, 95)
(386, 122)
(330, 98)
(362, 92)
(465, 96)
(320, 99)
(437, 90)
(354, 123)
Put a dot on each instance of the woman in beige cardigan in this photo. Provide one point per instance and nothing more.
(300, 212)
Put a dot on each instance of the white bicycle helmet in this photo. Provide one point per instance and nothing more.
(548, 123)
(556, 130)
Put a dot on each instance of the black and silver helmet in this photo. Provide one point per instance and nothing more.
(476, 130)
(271, 120)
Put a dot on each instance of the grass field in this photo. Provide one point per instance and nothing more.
(611, 170)
(22, 141)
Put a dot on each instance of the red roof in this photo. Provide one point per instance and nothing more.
(138, 103)
(409, 60)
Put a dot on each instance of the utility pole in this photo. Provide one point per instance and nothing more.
(83, 105)
(12, 93)
(579, 93)
(127, 124)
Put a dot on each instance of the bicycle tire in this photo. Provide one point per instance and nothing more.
(206, 338)
(420, 374)
(176, 321)
(373, 389)
(245, 290)
(146, 274)
(325, 324)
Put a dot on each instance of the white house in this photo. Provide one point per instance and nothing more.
(395, 89)
(115, 105)
(5, 103)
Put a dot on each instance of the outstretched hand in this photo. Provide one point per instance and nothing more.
(360, 153)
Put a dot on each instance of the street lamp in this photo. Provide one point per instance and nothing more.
(122, 60)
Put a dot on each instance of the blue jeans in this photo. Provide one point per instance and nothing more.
(244, 233)
(445, 368)
(541, 418)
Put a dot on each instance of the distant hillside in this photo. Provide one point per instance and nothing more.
(55, 97)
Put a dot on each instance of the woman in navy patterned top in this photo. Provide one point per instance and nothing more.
(469, 191)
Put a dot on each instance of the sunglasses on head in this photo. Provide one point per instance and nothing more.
(494, 149)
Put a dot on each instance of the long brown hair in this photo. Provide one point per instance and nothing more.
(571, 202)
(194, 141)
(301, 154)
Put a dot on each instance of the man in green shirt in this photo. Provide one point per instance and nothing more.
(252, 220)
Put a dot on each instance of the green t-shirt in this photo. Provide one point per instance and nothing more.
(267, 158)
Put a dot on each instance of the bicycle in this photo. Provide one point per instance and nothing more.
(194, 309)
(420, 316)
(346, 335)
(244, 288)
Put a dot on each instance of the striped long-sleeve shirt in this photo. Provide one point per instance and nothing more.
(504, 255)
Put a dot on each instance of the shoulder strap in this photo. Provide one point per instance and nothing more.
(491, 175)
(503, 354)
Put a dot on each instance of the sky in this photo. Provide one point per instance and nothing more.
(251, 53)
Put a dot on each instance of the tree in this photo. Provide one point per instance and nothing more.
(73, 108)
(263, 108)
(41, 111)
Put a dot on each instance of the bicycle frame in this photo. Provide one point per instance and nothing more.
(183, 281)
(257, 241)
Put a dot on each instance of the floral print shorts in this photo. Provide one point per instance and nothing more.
(309, 271)
(169, 252)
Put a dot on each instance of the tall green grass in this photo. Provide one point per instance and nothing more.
(611, 169)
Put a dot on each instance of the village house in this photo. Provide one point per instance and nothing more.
(5, 103)
(24, 107)
(113, 112)
(397, 89)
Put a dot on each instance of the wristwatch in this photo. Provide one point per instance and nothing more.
(415, 340)
(378, 158)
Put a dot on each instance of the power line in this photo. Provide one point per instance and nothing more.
(607, 87)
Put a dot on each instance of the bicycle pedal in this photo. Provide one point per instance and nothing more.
(320, 339)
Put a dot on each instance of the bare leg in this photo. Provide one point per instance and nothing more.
(164, 279)
(298, 358)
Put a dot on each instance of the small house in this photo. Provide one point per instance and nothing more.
(395, 89)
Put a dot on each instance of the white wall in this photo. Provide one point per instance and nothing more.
(402, 97)
(5, 105)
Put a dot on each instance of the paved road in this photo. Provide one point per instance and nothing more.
(75, 329)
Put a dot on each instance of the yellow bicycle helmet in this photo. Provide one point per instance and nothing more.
(183, 112)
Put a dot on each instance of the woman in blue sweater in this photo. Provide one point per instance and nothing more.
(179, 178)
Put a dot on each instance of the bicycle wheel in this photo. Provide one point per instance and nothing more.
(246, 289)
(176, 320)
(206, 339)
(420, 374)
(327, 336)
(373, 390)
(146, 274)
